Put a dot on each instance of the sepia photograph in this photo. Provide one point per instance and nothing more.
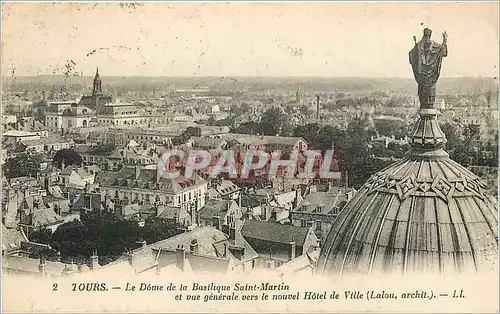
(312, 157)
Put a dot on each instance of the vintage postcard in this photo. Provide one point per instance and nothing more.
(254, 157)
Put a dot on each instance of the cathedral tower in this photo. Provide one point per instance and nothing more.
(97, 88)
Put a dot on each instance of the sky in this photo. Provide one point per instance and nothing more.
(245, 39)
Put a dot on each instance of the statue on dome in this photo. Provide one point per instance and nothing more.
(425, 59)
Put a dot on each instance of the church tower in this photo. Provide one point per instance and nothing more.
(97, 88)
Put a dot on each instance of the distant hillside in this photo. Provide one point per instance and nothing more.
(250, 84)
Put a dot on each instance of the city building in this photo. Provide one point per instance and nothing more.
(141, 184)
(318, 209)
(97, 99)
(277, 244)
(15, 136)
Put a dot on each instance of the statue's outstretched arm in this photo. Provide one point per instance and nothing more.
(445, 44)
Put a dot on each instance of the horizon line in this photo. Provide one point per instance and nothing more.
(246, 76)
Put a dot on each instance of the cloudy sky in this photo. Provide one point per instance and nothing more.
(240, 39)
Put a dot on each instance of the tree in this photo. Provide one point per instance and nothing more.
(104, 147)
(453, 136)
(309, 132)
(41, 235)
(193, 131)
(390, 128)
(102, 231)
(463, 144)
(68, 156)
(274, 121)
(250, 127)
(224, 122)
(23, 164)
(72, 240)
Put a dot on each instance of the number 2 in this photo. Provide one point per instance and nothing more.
(54, 287)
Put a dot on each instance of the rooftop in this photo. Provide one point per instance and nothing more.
(274, 232)
(16, 133)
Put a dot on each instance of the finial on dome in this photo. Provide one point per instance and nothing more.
(427, 138)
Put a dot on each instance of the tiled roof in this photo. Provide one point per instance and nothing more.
(144, 259)
(88, 201)
(263, 140)
(55, 191)
(193, 262)
(251, 201)
(326, 201)
(216, 207)
(17, 133)
(226, 187)
(205, 236)
(207, 142)
(30, 265)
(11, 238)
(274, 232)
(304, 263)
(46, 217)
(168, 212)
(49, 140)
(147, 179)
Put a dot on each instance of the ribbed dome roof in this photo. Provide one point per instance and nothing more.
(415, 215)
(425, 213)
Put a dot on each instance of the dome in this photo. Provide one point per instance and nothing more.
(416, 215)
(423, 214)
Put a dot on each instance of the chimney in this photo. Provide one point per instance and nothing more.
(67, 270)
(216, 222)
(293, 247)
(180, 257)
(57, 209)
(193, 247)
(137, 172)
(194, 214)
(313, 189)
(274, 215)
(225, 229)
(232, 232)
(296, 199)
(30, 219)
(317, 107)
(142, 243)
(41, 267)
(94, 260)
(237, 251)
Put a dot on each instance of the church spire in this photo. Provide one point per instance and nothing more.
(97, 87)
